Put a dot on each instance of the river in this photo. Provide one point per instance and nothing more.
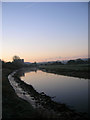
(69, 90)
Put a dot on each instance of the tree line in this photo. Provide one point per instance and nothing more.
(18, 63)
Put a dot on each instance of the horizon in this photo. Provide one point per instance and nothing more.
(45, 31)
(51, 60)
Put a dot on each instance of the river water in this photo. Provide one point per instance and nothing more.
(69, 90)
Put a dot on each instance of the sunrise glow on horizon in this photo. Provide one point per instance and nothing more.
(45, 31)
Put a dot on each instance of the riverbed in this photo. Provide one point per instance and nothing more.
(63, 89)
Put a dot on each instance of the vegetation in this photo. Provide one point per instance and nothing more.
(14, 107)
(78, 61)
(16, 58)
(17, 63)
(75, 70)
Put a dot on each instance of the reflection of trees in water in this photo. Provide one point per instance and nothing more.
(21, 73)
(26, 70)
(36, 70)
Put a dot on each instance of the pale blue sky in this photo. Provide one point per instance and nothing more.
(45, 31)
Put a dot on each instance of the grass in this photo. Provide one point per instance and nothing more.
(12, 106)
(79, 70)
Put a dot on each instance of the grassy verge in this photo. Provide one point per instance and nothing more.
(14, 107)
(80, 70)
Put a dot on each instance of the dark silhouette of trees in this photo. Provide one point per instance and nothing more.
(16, 58)
(77, 61)
(71, 62)
(54, 63)
(17, 61)
(80, 61)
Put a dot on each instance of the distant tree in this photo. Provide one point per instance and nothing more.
(17, 61)
(80, 61)
(71, 62)
(16, 58)
(34, 64)
(77, 61)
(54, 63)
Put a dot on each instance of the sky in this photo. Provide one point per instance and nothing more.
(45, 0)
(38, 31)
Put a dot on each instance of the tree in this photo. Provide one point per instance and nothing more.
(16, 58)
(80, 61)
(71, 62)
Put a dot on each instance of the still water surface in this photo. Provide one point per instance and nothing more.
(69, 90)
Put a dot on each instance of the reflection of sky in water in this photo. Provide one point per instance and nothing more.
(69, 90)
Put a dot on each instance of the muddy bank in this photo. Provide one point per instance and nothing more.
(13, 107)
(43, 103)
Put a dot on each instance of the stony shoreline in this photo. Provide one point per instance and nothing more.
(43, 103)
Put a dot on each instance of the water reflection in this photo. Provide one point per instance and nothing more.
(69, 90)
(23, 71)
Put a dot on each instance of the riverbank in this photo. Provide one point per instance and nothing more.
(46, 107)
(80, 71)
(14, 107)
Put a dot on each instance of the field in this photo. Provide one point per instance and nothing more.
(79, 70)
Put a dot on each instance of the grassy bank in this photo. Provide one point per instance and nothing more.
(14, 107)
(79, 70)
